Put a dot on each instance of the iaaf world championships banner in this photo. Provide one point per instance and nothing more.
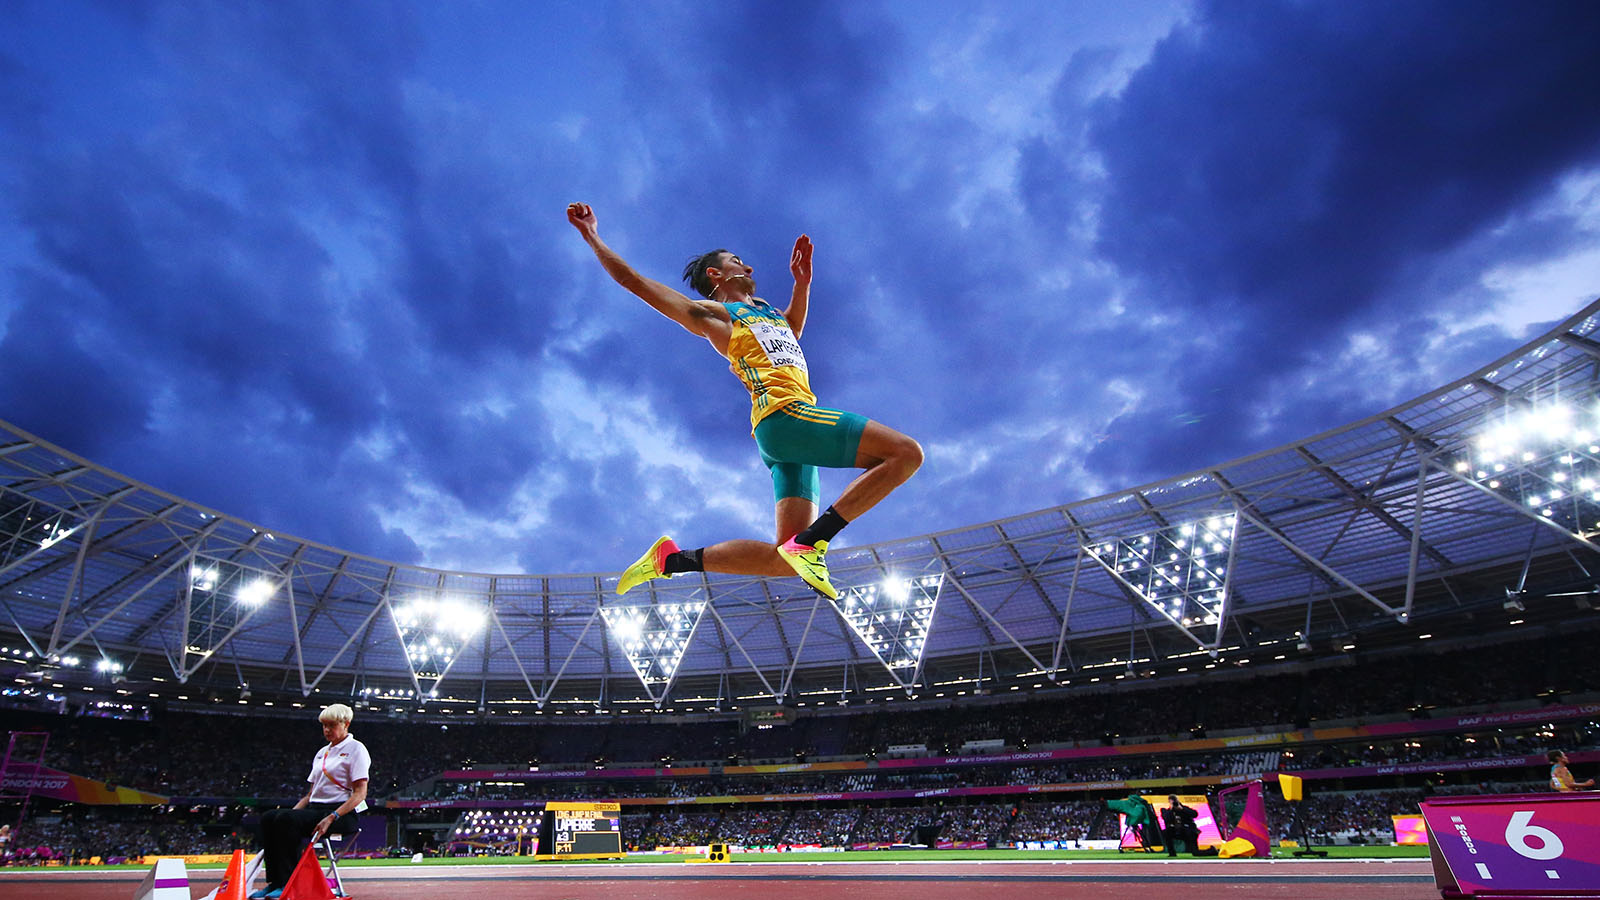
(42, 781)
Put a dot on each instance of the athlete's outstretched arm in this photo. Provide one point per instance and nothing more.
(697, 317)
(800, 268)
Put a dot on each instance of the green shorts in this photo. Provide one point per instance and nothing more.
(798, 438)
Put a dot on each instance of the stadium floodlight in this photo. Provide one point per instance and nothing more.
(892, 619)
(1545, 460)
(255, 593)
(28, 527)
(217, 597)
(432, 631)
(654, 639)
(1180, 571)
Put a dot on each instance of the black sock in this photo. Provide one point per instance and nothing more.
(823, 529)
(684, 561)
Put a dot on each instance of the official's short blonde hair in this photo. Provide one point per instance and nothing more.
(336, 712)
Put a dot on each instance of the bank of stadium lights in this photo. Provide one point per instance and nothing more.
(892, 617)
(433, 630)
(379, 694)
(30, 526)
(1546, 460)
(219, 596)
(55, 534)
(1181, 570)
(250, 591)
(653, 638)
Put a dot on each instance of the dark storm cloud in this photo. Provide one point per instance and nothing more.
(1286, 169)
(307, 263)
(1294, 156)
(47, 359)
(192, 281)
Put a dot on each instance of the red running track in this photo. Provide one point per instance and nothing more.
(1408, 879)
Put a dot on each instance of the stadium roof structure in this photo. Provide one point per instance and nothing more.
(1472, 507)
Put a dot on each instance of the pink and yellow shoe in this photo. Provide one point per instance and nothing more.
(651, 565)
(810, 564)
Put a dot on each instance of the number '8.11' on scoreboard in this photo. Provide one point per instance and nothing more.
(580, 831)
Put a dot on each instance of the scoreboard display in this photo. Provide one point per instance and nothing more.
(580, 831)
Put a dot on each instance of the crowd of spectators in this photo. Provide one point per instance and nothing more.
(821, 827)
(891, 825)
(166, 754)
(80, 834)
(1527, 741)
(681, 828)
(1062, 821)
(1500, 743)
(1279, 701)
(1326, 816)
(174, 753)
(978, 822)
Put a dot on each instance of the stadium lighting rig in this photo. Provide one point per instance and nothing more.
(217, 598)
(432, 632)
(892, 619)
(29, 526)
(1180, 571)
(1545, 460)
(654, 639)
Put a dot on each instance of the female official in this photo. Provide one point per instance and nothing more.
(338, 790)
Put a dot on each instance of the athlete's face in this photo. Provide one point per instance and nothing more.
(735, 274)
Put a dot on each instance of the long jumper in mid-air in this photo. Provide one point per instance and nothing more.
(793, 433)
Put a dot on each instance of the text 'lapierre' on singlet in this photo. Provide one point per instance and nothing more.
(765, 354)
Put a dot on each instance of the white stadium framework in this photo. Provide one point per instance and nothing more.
(1473, 506)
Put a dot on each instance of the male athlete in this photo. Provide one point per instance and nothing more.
(1561, 777)
(793, 434)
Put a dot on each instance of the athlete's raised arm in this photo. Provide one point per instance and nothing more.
(800, 268)
(696, 316)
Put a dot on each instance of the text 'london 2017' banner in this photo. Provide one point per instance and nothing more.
(42, 781)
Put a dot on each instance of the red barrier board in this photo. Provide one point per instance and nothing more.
(1515, 845)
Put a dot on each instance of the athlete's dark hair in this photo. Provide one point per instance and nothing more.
(1553, 756)
(695, 271)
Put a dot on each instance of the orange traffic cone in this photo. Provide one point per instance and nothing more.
(233, 886)
(307, 881)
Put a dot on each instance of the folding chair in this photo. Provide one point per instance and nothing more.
(348, 839)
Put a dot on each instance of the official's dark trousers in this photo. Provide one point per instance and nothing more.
(282, 830)
(1189, 834)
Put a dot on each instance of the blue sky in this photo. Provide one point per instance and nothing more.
(307, 263)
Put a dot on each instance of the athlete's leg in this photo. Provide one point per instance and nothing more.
(794, 487)
(741, 557)
(794, 513)
(889, 458)
(837, 439)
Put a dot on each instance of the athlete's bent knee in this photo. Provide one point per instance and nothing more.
(906, 456)
(913, 456)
